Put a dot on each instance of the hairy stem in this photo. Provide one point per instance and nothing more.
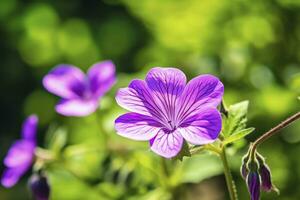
(274, 131)
(229, 181)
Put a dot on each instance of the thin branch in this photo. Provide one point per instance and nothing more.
(275, 130)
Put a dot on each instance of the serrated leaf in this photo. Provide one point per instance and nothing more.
(238, 135)
(236, 119)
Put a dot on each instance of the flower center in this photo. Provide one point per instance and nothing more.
(172, 126)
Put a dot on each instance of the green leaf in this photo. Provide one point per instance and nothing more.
(111, 190)
(84, 160)
(200, 167)
(236, 119)
(238, 135)
(65, 186)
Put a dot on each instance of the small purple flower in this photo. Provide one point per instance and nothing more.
(80, 93)
(166, 110)
(253, 183)
(21, 154)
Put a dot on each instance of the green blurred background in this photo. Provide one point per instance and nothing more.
(253, 46)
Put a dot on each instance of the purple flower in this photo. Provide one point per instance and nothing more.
(165, 110)
(80, 93)
(21, 154)
(253, 183)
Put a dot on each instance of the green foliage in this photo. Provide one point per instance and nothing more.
(236, 119)
(238, 135)
(199, 168)
(234, 122)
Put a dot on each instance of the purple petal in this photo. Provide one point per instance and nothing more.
(65, 81)
(202, 128)
(20, 153)
(136, 126)
(166, 85)
(101, 77)
(77, 107)
(204, 90)
(167, 144)
(29, 127)
(11, 176)
(137, 98)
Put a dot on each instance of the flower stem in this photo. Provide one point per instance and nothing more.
(229, 181)
(273, 131)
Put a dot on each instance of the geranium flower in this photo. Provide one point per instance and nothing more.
(21, 154)
(80, 93)
(166, 110)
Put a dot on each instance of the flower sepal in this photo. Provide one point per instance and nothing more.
(184, 152)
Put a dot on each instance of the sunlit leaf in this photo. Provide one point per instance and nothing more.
(238, 135)
(236, 119)
(66, 186)
(199, 168)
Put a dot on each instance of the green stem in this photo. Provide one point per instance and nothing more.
(229, 181)
(165, 167)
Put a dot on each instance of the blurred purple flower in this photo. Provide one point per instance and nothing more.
(21, 154)
(80, 93)
(165, 110)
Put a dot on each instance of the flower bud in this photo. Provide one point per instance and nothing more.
(39, 187)
(253, 179)
(253, 183)
(265, 174)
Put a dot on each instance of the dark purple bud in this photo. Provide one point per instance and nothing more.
(265, 174)
(39, 187)
(253, 183)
